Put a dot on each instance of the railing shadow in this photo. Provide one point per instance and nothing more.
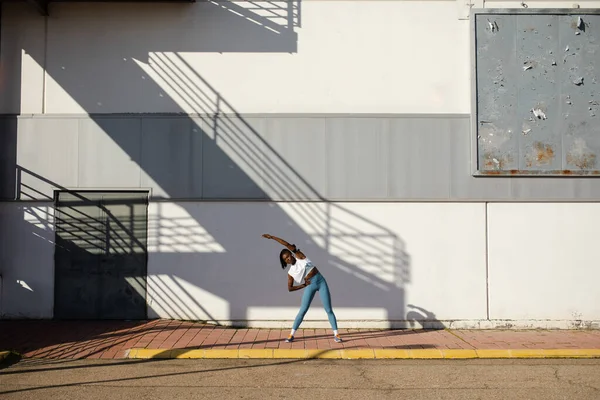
(420, 316)
(77, 231)
(163, 375)
(67, 340)
(274, 15)
(90, 240)
(232, 134)
(367, 263)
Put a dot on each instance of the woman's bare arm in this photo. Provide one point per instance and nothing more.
(290, 247)
(292, 288)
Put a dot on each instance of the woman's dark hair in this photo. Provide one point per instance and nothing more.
(283, 252)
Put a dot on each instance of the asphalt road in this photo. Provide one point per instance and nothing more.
(302, 379)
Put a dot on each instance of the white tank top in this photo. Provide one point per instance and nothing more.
(299, 270)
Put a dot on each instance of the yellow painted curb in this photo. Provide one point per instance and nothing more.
(526, 353)
(391, 353)
(572, 353)
(459, 353)
(221, 353)
(322, 353)
(289, 353)
(357, 353)
(150, 353)
(493, 353)
(255, 353)
(591, 353)
(183, 353)
(414, 354)
(425, 353)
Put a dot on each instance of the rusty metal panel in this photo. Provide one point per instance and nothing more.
(536, 94)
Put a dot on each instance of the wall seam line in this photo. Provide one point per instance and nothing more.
(487, 263)
(45, 66)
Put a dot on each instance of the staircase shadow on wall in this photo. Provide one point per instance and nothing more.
(211, 250)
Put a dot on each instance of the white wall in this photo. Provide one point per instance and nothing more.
(347, 56)
(27, 260)
(21, 60)
(543, 261)
(209, 261)
(386, 263)
(339, 57)
(206, 261)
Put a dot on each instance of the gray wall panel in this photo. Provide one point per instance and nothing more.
(110, 152)
(555, 188)
(419, 158)
(295, 158)
(387, 157)
(8, 156)
(47, 156)
(198, 136)
(168, 149)
(232, 154)
(587, 189)
(357, 158)
(530, 189)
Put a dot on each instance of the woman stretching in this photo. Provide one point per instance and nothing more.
(303, 269)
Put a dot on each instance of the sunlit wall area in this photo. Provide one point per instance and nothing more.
(184, 131)
(377, 258)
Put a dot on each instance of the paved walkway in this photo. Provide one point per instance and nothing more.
(177, 339)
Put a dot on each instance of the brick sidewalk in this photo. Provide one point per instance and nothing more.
(115, 339)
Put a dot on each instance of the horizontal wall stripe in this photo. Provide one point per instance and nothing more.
(264, 157)
(243, 115)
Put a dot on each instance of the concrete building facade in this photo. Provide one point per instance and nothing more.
(146, 147)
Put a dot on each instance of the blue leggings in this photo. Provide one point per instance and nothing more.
(317, 284)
